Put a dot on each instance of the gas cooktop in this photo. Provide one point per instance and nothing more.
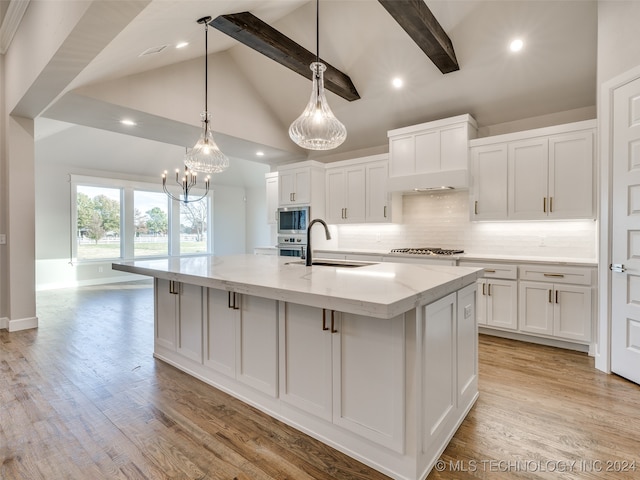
(427, 251)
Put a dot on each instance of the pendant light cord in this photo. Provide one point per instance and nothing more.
(206, 72)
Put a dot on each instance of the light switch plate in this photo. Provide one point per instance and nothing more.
(3, 239)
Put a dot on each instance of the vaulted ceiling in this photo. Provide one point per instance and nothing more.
(555, 72)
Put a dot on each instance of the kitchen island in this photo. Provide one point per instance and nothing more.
(378, 360)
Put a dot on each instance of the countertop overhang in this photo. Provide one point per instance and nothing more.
(381, 290)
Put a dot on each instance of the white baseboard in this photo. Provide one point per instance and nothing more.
(18, 324)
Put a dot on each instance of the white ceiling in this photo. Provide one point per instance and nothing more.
(555, 72)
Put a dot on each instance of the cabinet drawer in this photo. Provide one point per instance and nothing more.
(492, 270)
(557, 274)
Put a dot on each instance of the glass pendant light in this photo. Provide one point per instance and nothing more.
(317, 128)
(206, 156)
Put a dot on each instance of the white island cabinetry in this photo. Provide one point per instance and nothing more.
(378, 361)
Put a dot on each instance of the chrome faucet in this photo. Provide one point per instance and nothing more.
(308, 262)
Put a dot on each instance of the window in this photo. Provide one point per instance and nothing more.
(98, 223)
(120, 219)
(193, 227)
(151, 221)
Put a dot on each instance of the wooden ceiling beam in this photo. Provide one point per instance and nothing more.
(253, 32)
(417, 20)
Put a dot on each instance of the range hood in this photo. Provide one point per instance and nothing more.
(431, 156)
(431, 181)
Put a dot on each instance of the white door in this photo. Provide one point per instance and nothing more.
(625, 283)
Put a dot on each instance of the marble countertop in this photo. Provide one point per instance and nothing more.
(381, 290)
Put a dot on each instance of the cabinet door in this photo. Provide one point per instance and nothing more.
(305, 359)
(437, 349)
(302, 191)
(454, 147)
(257, 343)
(272, 199)
(190, 321)
(286, 187)
(536, 307)
(355, 194)
(165, 315)
(489, 188)
(376, 195)
(402, 152)
(368, 378)
(220, 332)
(335, 188)
(481, 302)
(427, 151)
(571, 175)
(502, 304)
(467, 347)
(528, 179)
(572, 312)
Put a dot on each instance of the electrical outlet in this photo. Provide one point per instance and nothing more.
(100, 269)
(3, 239)
(467, 311)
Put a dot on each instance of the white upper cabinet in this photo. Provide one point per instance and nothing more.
(295, 186)
(528, 174)
(356, 192)
(431, 155)
(571, 175)
(346, 194)
(489, 182)
(302, 183)
(381, 206)
(549, 174)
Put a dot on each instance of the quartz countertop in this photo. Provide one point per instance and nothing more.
(381, 290)
(470, 256)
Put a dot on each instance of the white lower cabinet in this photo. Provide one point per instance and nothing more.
(241, 339)
(562, 311)
(323, 355)
(498, 303)
(305, 359)
(179, 318)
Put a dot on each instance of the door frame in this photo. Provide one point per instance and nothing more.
(605, 224)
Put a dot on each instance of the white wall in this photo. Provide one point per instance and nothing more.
(86, 151)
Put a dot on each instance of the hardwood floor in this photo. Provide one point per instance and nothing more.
(82, 397)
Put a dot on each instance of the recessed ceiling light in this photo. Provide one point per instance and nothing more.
(182, 44)
(126, 121)
(397, 82)
(516, 45)
(260, 153)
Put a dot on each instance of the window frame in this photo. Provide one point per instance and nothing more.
(127, 218)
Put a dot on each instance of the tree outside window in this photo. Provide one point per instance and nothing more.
(193, 227)
(98, 223)
(151, 219)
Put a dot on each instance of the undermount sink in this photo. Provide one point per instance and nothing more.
(332, 263)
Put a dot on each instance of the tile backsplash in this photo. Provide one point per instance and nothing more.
(442, 220)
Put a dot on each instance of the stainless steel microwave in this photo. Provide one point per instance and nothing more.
(293, 220)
